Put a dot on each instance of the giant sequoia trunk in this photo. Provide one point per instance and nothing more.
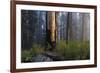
(51, 28)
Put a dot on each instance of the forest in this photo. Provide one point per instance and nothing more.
(54, 36)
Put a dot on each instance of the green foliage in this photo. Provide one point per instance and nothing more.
(85, 50)
(25, 55)
(36, 49)
(73, 50)
(61, 47)
(70, 50)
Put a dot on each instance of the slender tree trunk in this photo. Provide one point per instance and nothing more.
(67, 30)
(69, 27)
(56, 28)
(86, 27)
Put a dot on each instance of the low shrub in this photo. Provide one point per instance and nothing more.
(70, 50)
(73, 50)
(37, 49)
(26, 55)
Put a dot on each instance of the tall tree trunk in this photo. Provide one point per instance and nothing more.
(56, 28)
(86, 25)
(68, 23)
(69, 27)
(53, 26)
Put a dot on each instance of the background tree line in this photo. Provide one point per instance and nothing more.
(72, 26)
